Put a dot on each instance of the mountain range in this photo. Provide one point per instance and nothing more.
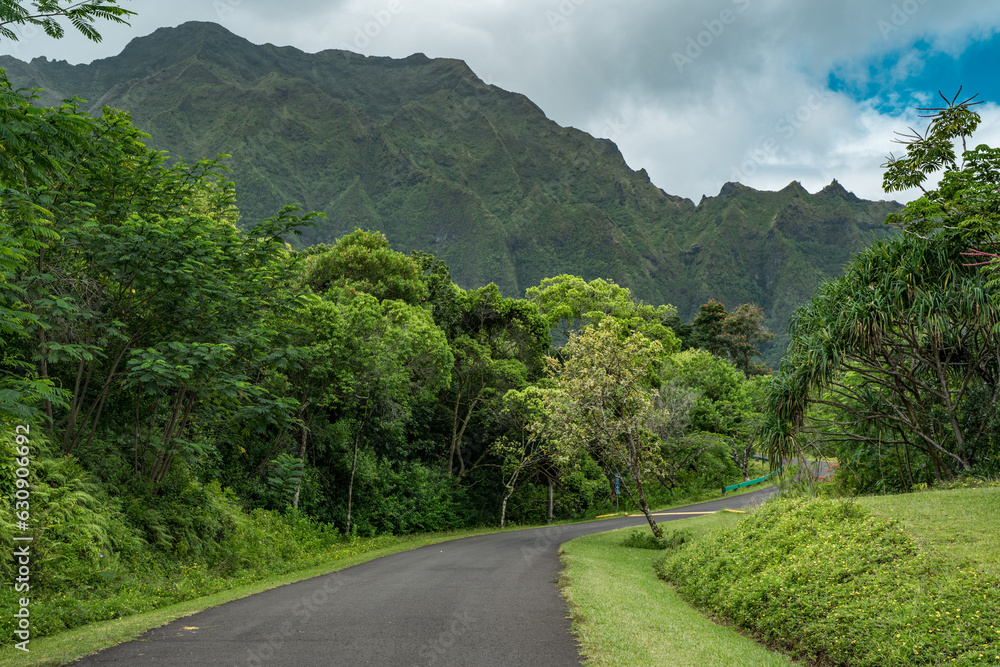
(425, 151)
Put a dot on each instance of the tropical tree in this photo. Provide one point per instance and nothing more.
(715, 421)
(521, 449)
(363, 261)
(735, 335)
(569, 303)
(20, 388)
(45, 14)
(132, 287)
(370, 362)
(603, 403)
(903, 349)
(706, 328)
(498, 345)
(743, 332)
(681, 448)
(38, 148)
(966, 202)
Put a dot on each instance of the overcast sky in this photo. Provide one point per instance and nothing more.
(697, 92)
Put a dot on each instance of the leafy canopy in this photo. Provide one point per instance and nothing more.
(363, 261)
(569, 303)
(45, 14)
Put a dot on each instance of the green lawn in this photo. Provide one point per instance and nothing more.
(961, 525)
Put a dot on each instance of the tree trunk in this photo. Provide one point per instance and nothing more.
(454, 431)
(642, 504)
(503, 506)
(458, 434)
(350, 485)
(550, 501)
(645, 509)
(302, 457)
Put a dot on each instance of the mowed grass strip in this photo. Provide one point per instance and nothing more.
(960, 525)
(624, 615)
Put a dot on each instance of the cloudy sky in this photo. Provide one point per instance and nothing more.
(698, 92)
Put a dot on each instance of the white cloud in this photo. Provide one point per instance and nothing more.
(697, 92)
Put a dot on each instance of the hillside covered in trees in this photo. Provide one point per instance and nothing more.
(425, 152)
(189, 397)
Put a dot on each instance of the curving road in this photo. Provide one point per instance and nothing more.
(477, 601)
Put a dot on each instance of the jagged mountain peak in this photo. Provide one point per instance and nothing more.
(795, 189)
(425, 151)
(733, 188)
(835, 189)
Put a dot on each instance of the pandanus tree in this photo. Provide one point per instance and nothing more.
(898, 360)
(901, 348)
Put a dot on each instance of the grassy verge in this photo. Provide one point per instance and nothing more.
(881, 582)
(959, 525)
(623, 615)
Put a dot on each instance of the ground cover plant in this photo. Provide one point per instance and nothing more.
(622, 615)
(844, 582)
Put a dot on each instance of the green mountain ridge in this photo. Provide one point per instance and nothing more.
(426, 152)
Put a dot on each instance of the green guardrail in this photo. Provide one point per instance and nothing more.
(751, 482)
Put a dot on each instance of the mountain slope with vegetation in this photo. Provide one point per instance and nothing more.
(426, 152)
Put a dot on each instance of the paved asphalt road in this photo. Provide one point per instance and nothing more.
(477, 601)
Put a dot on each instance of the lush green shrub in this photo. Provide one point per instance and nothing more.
(94, 557)
(641, 538)
(582, 489)
(833, 583)
(402, 497)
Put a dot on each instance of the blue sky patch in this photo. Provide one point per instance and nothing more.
(908, 78)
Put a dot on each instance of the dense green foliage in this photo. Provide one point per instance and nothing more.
(893, 366)
(208, 406)
(439, 161)
(46, 14)
(833, 583)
